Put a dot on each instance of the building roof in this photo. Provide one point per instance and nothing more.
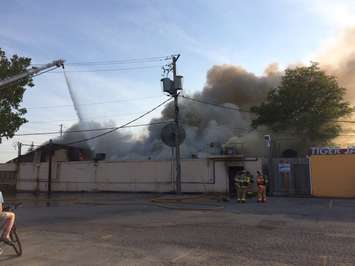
(74, 153)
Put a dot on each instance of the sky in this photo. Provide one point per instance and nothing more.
(252, 34)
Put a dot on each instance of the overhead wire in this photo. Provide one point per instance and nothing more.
(29, 145)
(89, 130)
(109, 69)
(143, 60)
(117, 61)
(241, 110)
(93, 63)
(93, 103)
(89, 119)
(122, 126)
(123, 61)
(215, 104)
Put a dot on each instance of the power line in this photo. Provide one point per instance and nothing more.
(117, 61)
(241, 110)
(122, 61)
(88, 130)
(215, 104)
(30, 145)
(93, 103)
(124, 125)
(108, 69)
(67, 120)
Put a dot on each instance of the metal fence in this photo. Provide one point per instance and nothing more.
(290, 177)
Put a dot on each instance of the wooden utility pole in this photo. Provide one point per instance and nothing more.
(177, 133)
(61, 130)
(19, 148)
(50, 153)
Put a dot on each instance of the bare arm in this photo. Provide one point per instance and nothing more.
(1, 202)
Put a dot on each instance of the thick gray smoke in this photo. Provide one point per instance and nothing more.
(339, 60)
(207, 127)
(233, 84)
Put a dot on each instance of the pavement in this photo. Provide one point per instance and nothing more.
(131, 229)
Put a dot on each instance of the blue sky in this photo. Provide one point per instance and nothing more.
(252, 34)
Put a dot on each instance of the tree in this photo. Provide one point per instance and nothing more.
(306, 104)
(11, 114)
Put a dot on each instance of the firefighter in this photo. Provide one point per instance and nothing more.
(242, 182)
(261, 182)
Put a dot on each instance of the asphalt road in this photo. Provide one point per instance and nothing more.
(128, 229)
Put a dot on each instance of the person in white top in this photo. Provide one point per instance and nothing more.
(9, 218)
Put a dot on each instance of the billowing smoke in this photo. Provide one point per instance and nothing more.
(233, 84)
(339, 60)
(208, 128)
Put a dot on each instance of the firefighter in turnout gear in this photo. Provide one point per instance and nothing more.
(261, 182)
(242, 183)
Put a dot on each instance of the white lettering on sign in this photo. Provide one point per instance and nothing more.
(331, 150)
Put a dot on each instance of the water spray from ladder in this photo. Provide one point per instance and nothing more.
(82, 122)
(73, 98)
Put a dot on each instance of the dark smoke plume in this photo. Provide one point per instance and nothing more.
(208, 128)
(339, 60)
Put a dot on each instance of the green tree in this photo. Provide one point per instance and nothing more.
(11, 114)
(306, 104)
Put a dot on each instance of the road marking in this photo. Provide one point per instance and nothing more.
(330, 204)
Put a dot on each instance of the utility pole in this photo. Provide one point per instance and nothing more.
(19, 148)
(177, 133)
(50, 152)
(61, 130)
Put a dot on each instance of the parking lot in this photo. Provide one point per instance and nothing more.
(130, 229)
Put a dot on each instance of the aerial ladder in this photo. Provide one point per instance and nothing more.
(32, 72)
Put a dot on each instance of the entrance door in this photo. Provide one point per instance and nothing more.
(233, 171)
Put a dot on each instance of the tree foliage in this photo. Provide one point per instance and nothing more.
(11, 96)
(306, 104)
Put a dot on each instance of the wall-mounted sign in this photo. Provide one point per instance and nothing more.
(284, 168)
(331, 150)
